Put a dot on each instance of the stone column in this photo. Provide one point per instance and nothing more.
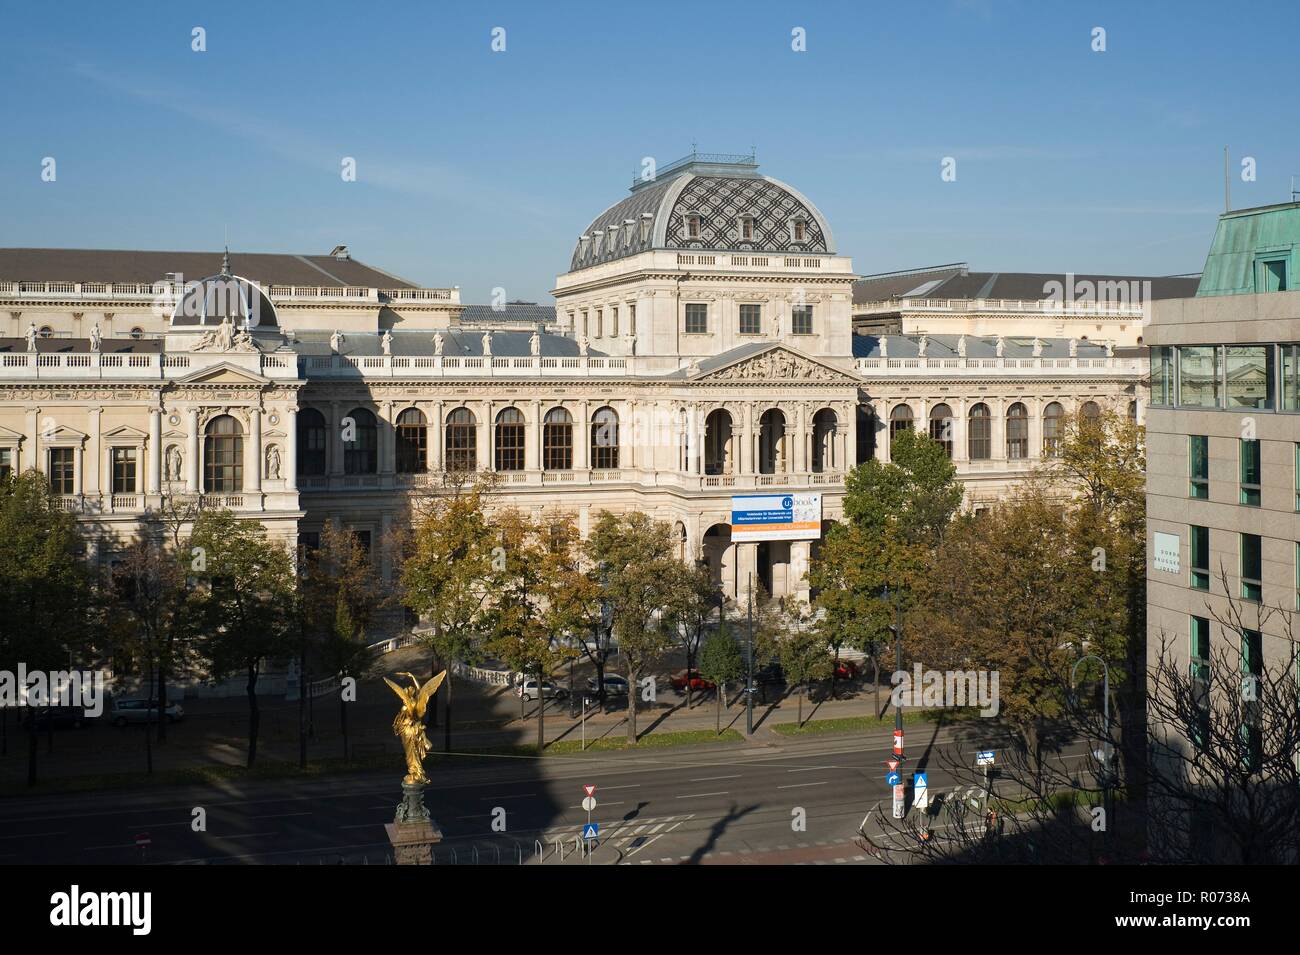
(800, 561)
(998, 411)
(153, 470)
(692, 442)
(533, 438)
(582, 438)
(746, 564)
(387, 443)
(483, 436)
(959, 434)
(438, 438)
(192, 466)
(253, 475)
(93, 482)
(334, 441)
(291, 448)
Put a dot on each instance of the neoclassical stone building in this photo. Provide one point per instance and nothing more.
(701, 345)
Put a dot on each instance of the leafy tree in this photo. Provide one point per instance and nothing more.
(897, 513)
(243, 601)
(721, 662)
(146, 609)
(691, 604)
(46, 597)
(803, 656)
(634, 563)
(339, 594)
(447, 578)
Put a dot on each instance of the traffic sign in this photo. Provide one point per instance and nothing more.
(984, 757)
(589, 790)
(898, 742)
(920, 791)
(892, 764)
(591, 830)
(893, 779)
(589, 803)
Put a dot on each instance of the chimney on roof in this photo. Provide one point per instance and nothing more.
(340, 252)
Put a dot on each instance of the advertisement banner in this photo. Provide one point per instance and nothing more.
(776, 517)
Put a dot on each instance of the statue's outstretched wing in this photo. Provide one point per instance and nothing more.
(427, 691)
(403, 694)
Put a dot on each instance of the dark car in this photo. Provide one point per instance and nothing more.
(57, 716)
(770, 675)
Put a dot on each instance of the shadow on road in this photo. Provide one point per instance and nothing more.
(716, 830)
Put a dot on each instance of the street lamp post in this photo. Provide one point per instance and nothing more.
(749, 662)
(1107, 793)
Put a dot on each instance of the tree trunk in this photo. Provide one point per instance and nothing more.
(631, 706)
(343, 723)
(254, 715)
(541, 715)
(690, 664)
(800, 723)
(446, 726)
(600, 680)
(431, 719)
(303, 688)
(835, 668)
(31, 748)
(875, 676)
(162, 702)
(717, 709)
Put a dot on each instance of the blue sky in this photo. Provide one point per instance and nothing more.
(480, 169)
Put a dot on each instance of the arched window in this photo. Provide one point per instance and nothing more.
(1090, 410)
(137, 333)
(900, 418)
(462, 441)
(718, 443)
(510, 440)
(604, 439)
(825, 431)
(223, 456)
(361, 454)
(1133, 411)
(771, 443)
(311, 443)
(941, 427)
(979, 433)
(866, 425)
(1052, 416)
(412, 442)
(1017, 432)
(557, 440)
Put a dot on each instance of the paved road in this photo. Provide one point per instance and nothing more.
(708, 804)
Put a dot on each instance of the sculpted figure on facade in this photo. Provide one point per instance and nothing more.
(174, 464)
(273, 462)
(94, 337)
(31, 337)
(336, 341)
(386, 343)
(487, 344)
(438, 343)
(961, 346)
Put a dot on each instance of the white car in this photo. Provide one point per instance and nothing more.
(614, 685)
(528, 690)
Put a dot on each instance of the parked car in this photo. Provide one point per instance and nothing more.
(847, 670)
(143, 711)
(614, 685)
(770, 675)
(58, 716)
(550, 691)
(681, 678)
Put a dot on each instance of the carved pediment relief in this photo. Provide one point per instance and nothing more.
(126, 432)
(778, 364)
(223, 374)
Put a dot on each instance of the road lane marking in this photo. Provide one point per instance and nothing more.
(705, 779)
(499, 798)
(699, 795)
(810, 769)
(278, 815)
(801, 785)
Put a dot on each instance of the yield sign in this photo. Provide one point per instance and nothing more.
(892, 764)
(589, 790)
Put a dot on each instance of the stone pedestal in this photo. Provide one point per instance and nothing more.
(413, 842)
(412, 832)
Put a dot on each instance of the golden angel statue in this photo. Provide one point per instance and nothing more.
(408, 725)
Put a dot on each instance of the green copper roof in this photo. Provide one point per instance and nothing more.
(1254, 250)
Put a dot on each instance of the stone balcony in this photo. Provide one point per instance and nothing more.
(596, 477)
(957, 366)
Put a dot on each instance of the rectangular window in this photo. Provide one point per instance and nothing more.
(1297, 476)
(1249, 371)
(1272, 276)
(1200, 676)
(7, 463)
(1162, 375)
(1290, 377)
(751, 319)
(613, 322)
(798, 229)
(62, 471)
(1198, 376)
(747, 228)
(1249, 455)
(697, 318)
(600, 323)
(692, 227)
(801, 320)
(124, 471)
(1252, 587)
(1200, 547)
(1198, 463)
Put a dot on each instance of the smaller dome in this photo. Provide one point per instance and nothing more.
(212, 300)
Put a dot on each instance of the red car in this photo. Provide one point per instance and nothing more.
(697, 682)
(847, 670)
